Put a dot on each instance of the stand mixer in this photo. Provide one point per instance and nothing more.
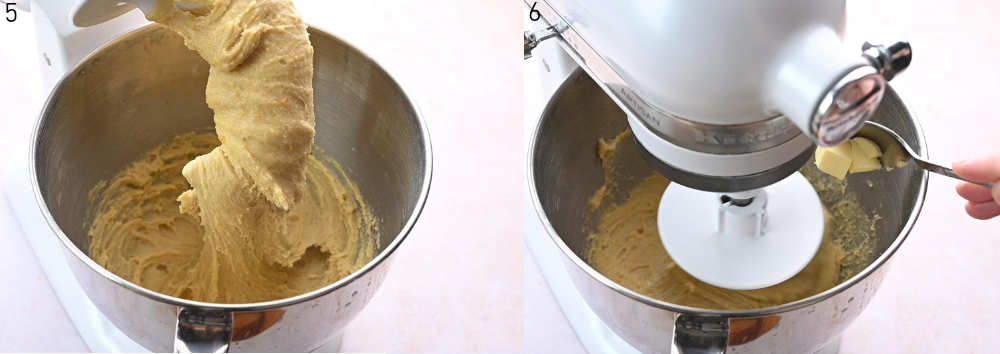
(728, 100)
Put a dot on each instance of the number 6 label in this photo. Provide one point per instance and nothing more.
(534, 15)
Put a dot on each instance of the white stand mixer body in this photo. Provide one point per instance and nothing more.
(713, 60)
(62, 45)
(726, 95)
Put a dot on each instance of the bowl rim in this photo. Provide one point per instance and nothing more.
(766, 311)
(255, 306)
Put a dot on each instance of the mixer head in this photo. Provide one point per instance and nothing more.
(725, 96)
(728, 100)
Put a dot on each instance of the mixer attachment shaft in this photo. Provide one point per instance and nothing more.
(750, 203)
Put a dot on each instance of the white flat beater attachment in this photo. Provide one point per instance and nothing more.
(760, 237)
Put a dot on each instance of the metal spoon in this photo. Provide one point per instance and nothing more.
(896, 153)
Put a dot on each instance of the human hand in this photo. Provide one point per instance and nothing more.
(983, 202)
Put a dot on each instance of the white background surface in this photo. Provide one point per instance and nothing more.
(456, 283)
(940, 295)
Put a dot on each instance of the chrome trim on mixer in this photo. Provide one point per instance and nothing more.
(847, 105)
(686, 133)
(700, 335)
(855, 97)
(888, 59)
(203, 331)
(723, 184)
(533, 39)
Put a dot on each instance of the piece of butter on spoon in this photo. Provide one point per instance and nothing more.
(853, 156)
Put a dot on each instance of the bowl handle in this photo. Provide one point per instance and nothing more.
(203, 331)
(700, 334)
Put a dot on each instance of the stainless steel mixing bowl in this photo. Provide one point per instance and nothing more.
(565, 171)
(145, 88)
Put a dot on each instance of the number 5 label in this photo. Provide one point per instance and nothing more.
(11, 13)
